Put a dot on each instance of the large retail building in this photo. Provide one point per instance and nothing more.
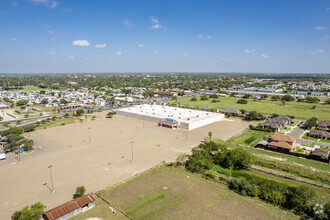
(172, 117)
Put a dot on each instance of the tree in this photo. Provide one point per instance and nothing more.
(29, 213)
(199, 161)
(66, 115)
(287, 98)
(1, 118)
(42, 92)
(327, 101)
(254, 116)
(44, 101)
(63, 101)
(242, 101)
(313, 107)
(22, 102)
(274, 115)
(247, 96)
(310, 99)
(79, 112)
(210, 135)
(193, 99)
(275, 98)
(311, 122)
(238, 159)
(110, 114)
(204, 98)
(80, 191)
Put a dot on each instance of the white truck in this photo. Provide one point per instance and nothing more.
(2, 156)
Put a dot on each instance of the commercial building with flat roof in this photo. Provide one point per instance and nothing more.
(172, 117)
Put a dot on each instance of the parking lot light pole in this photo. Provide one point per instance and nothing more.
(51, 177)
(89, 134)
(132, 142)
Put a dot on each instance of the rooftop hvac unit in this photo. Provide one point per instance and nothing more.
(197, 116)
(188, 119)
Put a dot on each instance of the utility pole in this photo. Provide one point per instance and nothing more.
(132, 142)
(51, 177)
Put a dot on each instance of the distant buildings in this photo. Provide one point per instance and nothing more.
(316, 94)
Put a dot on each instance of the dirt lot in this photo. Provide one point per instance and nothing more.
(173, 193)
(96, 162)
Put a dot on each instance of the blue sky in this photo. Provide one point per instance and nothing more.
(55, 36)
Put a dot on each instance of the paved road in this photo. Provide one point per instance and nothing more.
(298, 132)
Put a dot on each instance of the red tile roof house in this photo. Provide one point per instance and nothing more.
(281, 142)
(165, 94)
(70, 209)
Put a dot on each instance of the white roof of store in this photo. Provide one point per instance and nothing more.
(179, 114)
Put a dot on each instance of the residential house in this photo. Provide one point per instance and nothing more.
(275, 123)
(319, 154)
(324, 125)
(281, 142)
(232, 111)
(320, 134)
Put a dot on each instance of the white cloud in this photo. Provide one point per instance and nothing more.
(127, 23)
(50, 52)
(316, 52)
(71, 57)
(264, 55)
(200, 36)
(3, 38)
(224, 59)
(119, 53)
(155, 51)
(13, 39)
(320, 28)
(326, 37)
(141, 45)
(208, 37)
(51, 32)
(250, 51)
(99, 46)
(52, 39)
(155, 22)
(327, 9)
(185, 55)
(81, 43)
(48, 26)
(53, 5)
(39, 1)
(14, 4)
(48, 3)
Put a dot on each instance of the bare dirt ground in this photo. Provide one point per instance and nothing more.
(95, 161)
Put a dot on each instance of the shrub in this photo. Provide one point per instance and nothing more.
(204, 98)
(29, 128)
(214, 96)
(251, 127)
(215, 100)
(242, 101)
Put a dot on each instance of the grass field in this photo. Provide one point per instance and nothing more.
(250, 138)
(66, 121)
(33, 88)
(173, 193)
(300, 110)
